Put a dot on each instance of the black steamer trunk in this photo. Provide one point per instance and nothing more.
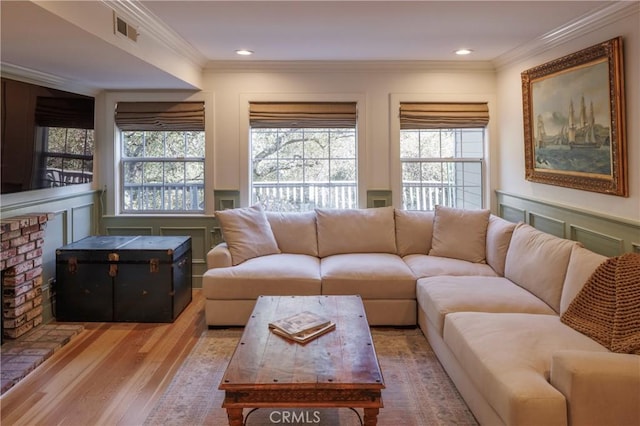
(123, 279)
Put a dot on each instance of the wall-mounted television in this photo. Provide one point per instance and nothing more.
(47, 137)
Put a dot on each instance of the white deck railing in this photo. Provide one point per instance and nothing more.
(292, 197)
(344, 195)
(159, 197)
(299, 196)
(417, 196)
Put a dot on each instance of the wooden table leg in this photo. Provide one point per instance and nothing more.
(235, 416)
(371, 416)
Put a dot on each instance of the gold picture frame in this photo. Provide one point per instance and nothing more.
(574, 121)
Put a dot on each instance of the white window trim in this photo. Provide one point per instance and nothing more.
(395, 167)
(109, 153)
(245, 135)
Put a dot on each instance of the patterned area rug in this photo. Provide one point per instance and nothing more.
(418, 391)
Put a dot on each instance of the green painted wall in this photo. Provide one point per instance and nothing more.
(607, 235)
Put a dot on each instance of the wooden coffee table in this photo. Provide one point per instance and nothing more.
(337, 369)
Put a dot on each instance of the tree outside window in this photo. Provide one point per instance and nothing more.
(302, 169)
(163, 171)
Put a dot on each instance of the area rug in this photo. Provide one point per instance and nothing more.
(418, 391)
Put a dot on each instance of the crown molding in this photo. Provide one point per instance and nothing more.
(609, 13)
(348, 66)
(28, 75)
(154, 27)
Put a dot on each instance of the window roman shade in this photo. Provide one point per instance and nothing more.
(73, 113)
(443, 115)
(159, 116)
(302, 114)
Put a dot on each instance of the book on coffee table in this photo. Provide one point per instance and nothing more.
(302, 326)
(305, 336)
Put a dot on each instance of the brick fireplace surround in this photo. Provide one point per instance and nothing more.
(22, 239)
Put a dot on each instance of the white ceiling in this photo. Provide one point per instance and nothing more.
(363, 30)
(35, 40)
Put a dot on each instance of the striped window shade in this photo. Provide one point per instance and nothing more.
(443, 115)
(160, 116)
(302, 114)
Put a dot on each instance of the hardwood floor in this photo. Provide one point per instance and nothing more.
(110, 374)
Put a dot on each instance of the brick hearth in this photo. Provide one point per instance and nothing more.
(22, 239)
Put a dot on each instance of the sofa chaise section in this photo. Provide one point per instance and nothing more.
(509, 355)
(508, 352)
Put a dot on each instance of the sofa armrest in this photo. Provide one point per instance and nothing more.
(601, 388)
(219, 257)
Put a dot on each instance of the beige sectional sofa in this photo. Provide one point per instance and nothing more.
(488, 295)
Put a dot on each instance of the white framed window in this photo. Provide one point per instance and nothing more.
(441, 155)
(162, 157)
(303, 155)
(442, 167)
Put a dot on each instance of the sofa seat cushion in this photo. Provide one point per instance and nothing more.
(424, 265)
(439, 296)
(509, 356)
(276, 274)
(371, 275)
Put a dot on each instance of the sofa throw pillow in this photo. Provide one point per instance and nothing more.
(356, 231)
(607, 309)
(247, 233)
(414, 231)
(460, 234)
(295, 232)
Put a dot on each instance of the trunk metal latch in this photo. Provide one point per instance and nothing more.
(73, 265)
(154, 265)
(113, 268)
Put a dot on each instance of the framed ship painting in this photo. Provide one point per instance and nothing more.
(574, 121)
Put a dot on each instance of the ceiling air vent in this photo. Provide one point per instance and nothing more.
(122, 27)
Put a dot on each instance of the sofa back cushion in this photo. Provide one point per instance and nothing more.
(499, 234)
(247, 233)
(295, 233)
(414, 230)
(582, 264)
(460, 234)
(538, 262)
(356, 231)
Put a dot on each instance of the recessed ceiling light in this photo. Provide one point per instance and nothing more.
(244, 52)
(463, 51)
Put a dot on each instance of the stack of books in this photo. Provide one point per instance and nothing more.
(302, 327)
